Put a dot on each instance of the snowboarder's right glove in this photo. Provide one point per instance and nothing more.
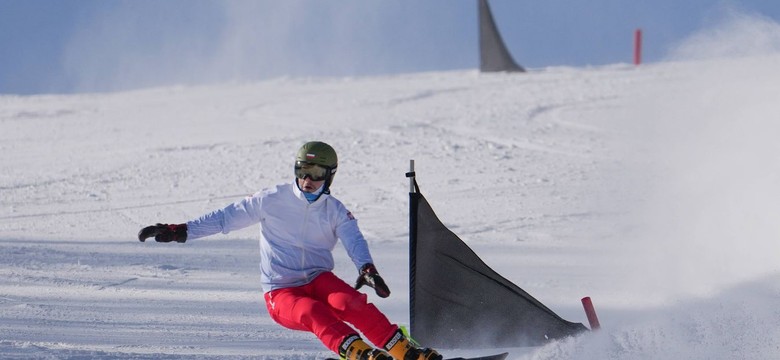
(164, 233)
(369, 276)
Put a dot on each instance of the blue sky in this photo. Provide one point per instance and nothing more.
(68, 46)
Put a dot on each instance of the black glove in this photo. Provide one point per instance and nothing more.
(164, 233)
(369, 276)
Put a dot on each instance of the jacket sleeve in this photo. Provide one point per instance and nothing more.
(352, 238)
(235, 216)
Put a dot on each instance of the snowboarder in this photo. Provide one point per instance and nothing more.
(300, 223)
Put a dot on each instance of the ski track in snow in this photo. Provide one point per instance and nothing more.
(569, 182)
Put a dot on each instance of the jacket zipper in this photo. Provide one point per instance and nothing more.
(301, 237)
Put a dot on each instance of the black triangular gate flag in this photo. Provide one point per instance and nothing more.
(457, 301)
(493, 54)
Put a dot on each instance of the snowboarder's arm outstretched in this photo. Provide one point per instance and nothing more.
(233, 217)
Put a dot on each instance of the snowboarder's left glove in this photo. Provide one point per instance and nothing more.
(369, 276)
(164, 233)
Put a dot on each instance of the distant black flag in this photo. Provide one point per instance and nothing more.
(457, 301)
(493, 55)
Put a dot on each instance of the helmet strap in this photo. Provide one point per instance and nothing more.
(328, 180)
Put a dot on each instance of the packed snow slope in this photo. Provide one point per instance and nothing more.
(652, 189)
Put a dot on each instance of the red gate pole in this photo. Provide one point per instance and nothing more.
(591, 313)
(638, 46)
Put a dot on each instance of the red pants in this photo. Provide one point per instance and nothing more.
(324, 307)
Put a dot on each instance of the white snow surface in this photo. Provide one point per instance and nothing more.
(654, 190)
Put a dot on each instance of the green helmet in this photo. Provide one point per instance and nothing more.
(313, 155)
(319, 153)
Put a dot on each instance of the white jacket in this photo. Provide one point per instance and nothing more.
(296, 237)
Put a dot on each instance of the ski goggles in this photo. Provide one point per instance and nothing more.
(312, 171)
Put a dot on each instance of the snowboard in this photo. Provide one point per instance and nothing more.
(501, 356)
(488, 357)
